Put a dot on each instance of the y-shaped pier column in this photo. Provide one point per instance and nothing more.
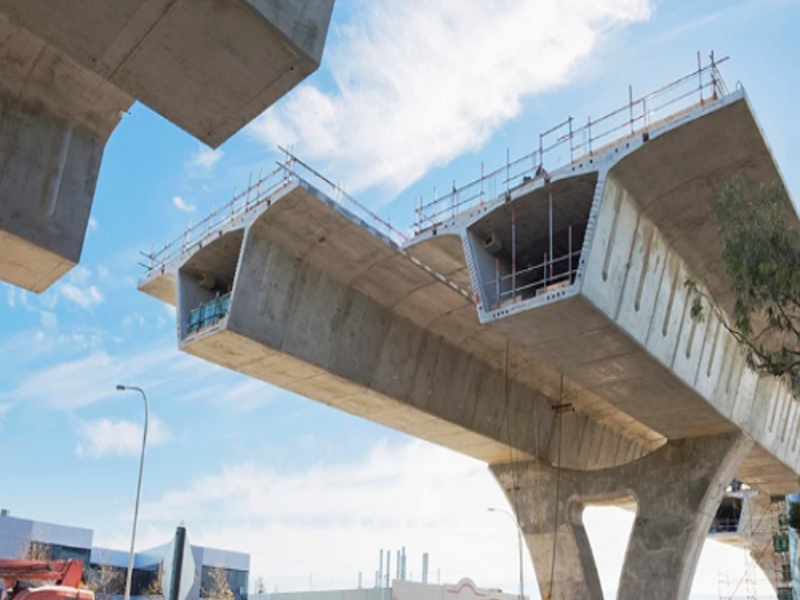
(677, 490)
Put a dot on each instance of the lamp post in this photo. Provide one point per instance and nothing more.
(125, 388)
(519, 540)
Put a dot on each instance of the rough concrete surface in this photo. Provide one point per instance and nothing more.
(666, 410)
(676, 489)
(69, 70)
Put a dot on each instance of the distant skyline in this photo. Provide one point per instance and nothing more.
(410, 95)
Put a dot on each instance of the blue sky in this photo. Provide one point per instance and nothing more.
(410, 96)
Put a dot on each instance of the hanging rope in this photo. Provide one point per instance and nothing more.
(558, 410)
(514, 479)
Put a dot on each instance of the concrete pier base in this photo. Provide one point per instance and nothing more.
(676, 490)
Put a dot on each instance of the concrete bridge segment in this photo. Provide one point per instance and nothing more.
(69, 70)
(417, 336)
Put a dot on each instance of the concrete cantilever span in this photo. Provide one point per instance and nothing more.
(566, 288)
(68, 70)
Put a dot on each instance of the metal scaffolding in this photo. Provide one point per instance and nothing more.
(640, 115)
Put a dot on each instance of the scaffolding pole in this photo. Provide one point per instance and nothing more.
(497, 278)
(513, 254)
(550, 247)
(569, 254)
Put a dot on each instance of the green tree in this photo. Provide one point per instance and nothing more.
(760, 245)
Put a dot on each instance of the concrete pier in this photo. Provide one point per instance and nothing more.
(68, 71)
(675, 491)
(463, 335)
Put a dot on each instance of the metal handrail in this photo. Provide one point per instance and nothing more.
(710, 88)
(264, 190)
(547, 263)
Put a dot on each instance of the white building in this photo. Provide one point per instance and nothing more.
(400, 590)
(19, 536)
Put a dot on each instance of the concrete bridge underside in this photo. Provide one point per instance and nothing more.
(418, 339)
(70, 70)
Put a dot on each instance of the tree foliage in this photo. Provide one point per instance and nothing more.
(32, 550)
(216, 587)
(154, 589)
(105, 581)
(761, 255)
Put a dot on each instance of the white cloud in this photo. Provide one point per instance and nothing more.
(18, 296)
(202, 162)
(92, 224)
(93, 378)
(160, 369)
(78, 290)
(182, 205)
(80, 275)
(49, 299)
(418, 83)
(83, 297)
(48, 319)
(241, 397)
(129, 320)
(109, 437)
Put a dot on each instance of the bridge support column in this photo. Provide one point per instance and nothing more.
(677, 490)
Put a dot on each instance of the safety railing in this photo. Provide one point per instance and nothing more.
(639, 115)
(725, 525)
(544, 277)
(557, 270)
(265, 189)
(208, 314)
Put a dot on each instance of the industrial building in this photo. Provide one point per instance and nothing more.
(400, 589)
(25, 537)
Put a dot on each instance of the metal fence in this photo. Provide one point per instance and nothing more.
(698, 88)
(208, 314)
(553, 273)
(263, 191)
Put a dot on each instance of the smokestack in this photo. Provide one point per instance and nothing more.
(380, 570)
(399, 564)
(424, 567)
(388, 566)
(403, 568)
(359, 580)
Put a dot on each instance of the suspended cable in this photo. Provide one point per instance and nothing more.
(514, 480)
(558, 485)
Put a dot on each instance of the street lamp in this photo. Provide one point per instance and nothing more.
(519, 539)
(125, 388)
